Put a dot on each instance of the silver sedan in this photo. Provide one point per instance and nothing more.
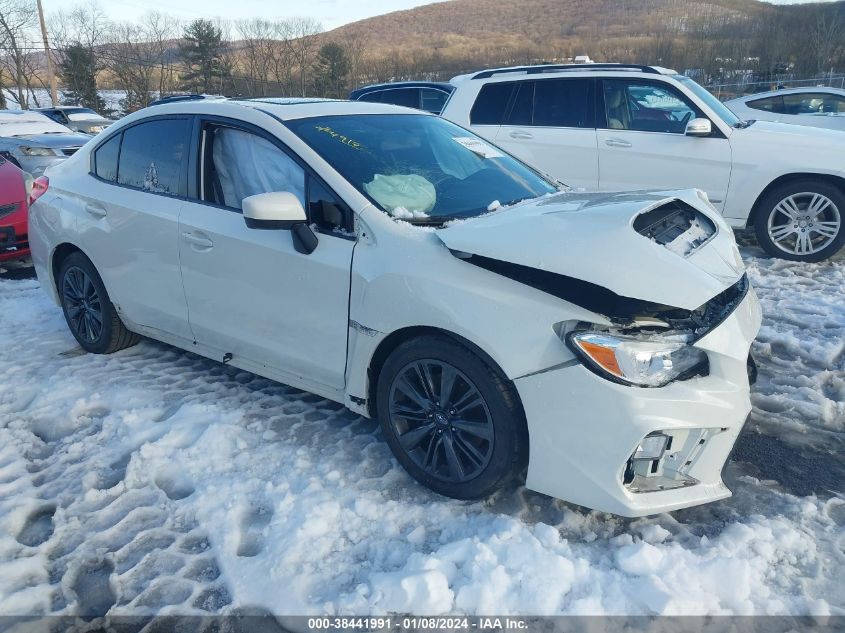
(815, 107)
(34, 142)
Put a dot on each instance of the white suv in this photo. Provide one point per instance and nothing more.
(395, 262)
(612, 127)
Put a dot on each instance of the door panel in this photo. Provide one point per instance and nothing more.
(568, 154)
(550, 126)
(132, 239)
(131, 232)
(249, 292)
(647, 160)
(641, 144)
(252, 295)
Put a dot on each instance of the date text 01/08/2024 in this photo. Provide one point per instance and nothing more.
(416, 623)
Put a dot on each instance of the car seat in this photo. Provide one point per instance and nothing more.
(618, 117)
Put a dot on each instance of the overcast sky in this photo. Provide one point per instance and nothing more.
(331, 13)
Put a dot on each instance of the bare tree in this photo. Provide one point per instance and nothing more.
(132, 62)
(304, 44)
(18, 19)
(257, 44)
(827, 33)
(161, 32)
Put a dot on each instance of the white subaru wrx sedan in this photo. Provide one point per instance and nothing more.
(395, 262)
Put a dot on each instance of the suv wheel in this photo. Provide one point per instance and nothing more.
(452, 422)
(89, 313)
(803, 220)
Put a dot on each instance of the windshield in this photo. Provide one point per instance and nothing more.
(712, 102)
(420, 168)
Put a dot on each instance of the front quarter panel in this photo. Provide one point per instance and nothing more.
(403, 276)
(767, 150)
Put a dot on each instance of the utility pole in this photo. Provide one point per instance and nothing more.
(54, 96)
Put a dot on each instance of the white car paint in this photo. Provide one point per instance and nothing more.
(744, 108)
(734, 167)
(181, 273)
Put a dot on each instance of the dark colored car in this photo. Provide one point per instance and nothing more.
(13, 212)
(430, 96)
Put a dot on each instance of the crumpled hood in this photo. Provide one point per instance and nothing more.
(590, 237)
(54, 140)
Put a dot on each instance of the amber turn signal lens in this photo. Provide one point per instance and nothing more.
(603, 356)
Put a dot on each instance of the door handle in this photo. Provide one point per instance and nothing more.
(203, 243)
(96, 210)
(616, 142)
(521, 134)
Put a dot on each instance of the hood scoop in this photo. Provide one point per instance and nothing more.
(677, 226)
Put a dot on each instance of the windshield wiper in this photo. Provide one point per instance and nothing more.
(430, 221)
(744, 124)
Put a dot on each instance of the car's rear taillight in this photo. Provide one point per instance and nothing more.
(38, 189)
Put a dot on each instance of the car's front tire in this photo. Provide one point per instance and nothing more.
(89, 312)
(801, 220)
(450, 419)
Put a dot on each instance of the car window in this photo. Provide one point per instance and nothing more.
(489, 106)
(769, 104)
(522, 112)
(152, 155)
(562, 103)
(324, 208)
(646, 107)
(408, 97)
(105, 158)
(812, 103)
(420, 168)
(433, 99)
(239, 164)
(55, 115)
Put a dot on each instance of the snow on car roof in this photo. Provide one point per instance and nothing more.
(20, 122)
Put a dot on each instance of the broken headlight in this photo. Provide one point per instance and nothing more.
(36, 151)
(646, 360)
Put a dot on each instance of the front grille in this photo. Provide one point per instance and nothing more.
(8, 209)
(69, 151)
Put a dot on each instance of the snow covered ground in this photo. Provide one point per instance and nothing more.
(154, 481)
(112, 98)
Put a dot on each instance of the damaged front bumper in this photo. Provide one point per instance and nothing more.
(585, 431)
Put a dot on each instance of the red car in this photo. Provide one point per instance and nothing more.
(13, 210)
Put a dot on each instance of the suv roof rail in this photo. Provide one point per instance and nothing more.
(533, 70)
(186, 97)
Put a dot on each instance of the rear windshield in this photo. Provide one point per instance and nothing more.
(420, 168)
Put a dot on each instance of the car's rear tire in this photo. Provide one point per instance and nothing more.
(89, 312)
(450, 419)
(802, 220)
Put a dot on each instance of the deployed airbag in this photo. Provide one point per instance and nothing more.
(247, 164)
(402, 195)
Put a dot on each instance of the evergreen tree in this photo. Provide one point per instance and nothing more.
(331, 71)
(78, 71)
(202, 53)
